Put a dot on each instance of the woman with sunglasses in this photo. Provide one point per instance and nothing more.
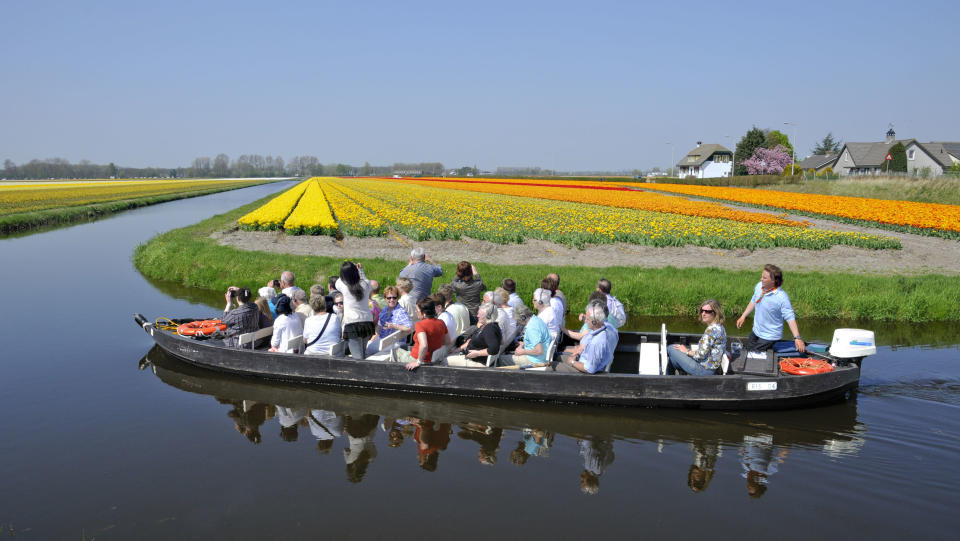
(706, 359)
(392, 318)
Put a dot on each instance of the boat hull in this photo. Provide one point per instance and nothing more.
(728, 392)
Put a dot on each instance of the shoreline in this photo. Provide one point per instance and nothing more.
(195, 256)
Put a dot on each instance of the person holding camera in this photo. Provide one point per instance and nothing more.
(243, 318)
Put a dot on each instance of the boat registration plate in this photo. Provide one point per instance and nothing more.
(761, 385)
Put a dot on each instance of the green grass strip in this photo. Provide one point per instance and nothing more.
(33, 222)
(190, 257)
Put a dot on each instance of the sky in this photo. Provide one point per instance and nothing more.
(572, 86)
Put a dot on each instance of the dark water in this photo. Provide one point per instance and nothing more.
(104, 436)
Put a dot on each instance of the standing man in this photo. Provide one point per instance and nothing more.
(421, 270)
(773, 308)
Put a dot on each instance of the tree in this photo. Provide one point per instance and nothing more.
(828, 146)
(898, 163)
(112, 170)
(751, 141)
(766, 161)
(776, 137)
(221, 165)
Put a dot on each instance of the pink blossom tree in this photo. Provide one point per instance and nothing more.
(767, 161)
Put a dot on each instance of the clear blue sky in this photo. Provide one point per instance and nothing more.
(575, 86)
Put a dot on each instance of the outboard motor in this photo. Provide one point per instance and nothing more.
(852, 345)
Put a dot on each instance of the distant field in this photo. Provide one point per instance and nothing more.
(26, 197)
(28, 206)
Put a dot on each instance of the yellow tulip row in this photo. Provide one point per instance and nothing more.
(275, 212)
(312, 214)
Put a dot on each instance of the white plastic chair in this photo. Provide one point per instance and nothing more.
(252, 337)
(295, 344)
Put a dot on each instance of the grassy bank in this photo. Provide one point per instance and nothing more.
(42, 219)
(190, 257)
(944, 190)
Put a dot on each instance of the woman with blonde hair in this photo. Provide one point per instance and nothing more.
(706, 359)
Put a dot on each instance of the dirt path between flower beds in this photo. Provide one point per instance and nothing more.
(919, 255)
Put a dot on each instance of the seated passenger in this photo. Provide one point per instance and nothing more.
(321, 331)
(269, 293)
(706, 360)
(286, 326)
(242, 319)
(595, 297)
(393, 318)
(446, 317)
(455, 308)
(430, 334)
(615, 308)
(485, 342)
(542, 301)
(508, 325)
(405, 285)
(510, 286)
(266, 318)
(596, 348)
(298, 300)
(532, 350)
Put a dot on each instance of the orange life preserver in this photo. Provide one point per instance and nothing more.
(201, 328)
(805, 366)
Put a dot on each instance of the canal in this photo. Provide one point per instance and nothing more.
(106, 437)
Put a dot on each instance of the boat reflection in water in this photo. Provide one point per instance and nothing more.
(526, 431)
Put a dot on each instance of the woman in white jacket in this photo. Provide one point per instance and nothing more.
(358, 325)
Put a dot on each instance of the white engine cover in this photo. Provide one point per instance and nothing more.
(849, 343)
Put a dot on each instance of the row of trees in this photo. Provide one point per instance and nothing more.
(221, 166)
(769, 152)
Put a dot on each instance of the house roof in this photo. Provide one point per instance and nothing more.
(702, 153)
(818, 161)
(871, 154)
(940, 152)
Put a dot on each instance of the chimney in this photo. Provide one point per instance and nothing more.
(699, 143)
(891, 136)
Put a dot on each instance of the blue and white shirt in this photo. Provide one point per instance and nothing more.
(770, 312)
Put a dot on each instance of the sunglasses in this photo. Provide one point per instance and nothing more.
(338, 303)
(702, 311)
(391, 298)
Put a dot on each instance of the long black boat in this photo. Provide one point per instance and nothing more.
(759, 385)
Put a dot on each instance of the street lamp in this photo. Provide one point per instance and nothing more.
(671, 158)
(794, 139)
(733, 159)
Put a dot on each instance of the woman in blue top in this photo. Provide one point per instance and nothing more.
(706, 359)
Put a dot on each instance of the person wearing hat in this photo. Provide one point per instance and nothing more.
(242, 319)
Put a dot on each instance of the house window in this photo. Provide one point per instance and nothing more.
(911, 154)
(846, 158)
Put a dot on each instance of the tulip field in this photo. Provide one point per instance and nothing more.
(925, 218)
(511, 211)
(33, 196)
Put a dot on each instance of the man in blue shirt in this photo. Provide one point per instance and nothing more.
(596, 348)
(421, 270)
(773, 308)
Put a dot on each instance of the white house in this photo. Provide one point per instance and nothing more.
(706, 161)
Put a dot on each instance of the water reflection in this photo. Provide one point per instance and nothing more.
(351, 420)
